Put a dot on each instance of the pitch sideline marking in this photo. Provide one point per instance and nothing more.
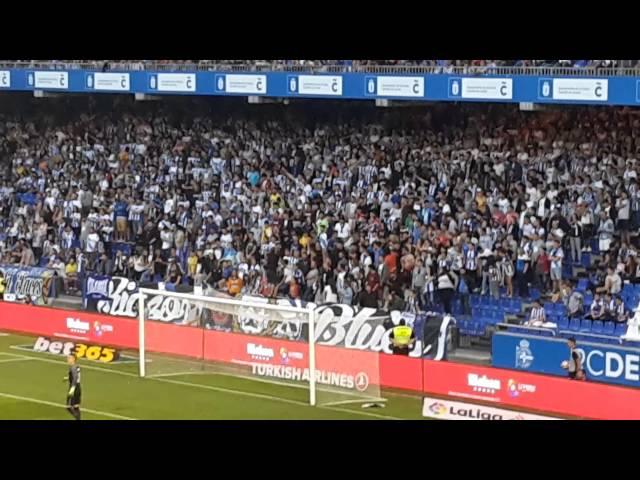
(9, 360)
(220, 389)
(60, 405)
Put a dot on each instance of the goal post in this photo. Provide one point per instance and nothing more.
(253, 340)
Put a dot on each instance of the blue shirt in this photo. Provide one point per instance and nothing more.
(254, 178)
(121, 209)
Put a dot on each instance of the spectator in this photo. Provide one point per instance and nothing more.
(605, 232)
(575, 303)
(556, 257)
(3, 285)
(446, 288)
(523, 269)
(575, 240)
(620, 315)
(71, 284)
(174, 274)
(105, 265)
(597, 310)
(508, 272)
(464, 291)
(393, 302)
(368, 299)
(537, 317)
(234, 284)
(612, 282)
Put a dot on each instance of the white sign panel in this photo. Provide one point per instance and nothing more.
(5, 79)
(252, 84)
(581, 89)
(110, 81)
(487, 88)
(319, 85)
(400, 86)
(176, 82)
(49, 80)
(448, 410)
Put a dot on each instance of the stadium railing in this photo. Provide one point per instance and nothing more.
(376, 69)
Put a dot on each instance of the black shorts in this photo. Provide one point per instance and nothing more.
(623, 225)
(76, 398)
(573, 375)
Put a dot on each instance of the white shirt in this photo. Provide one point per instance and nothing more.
(623, 209)
(557, 253)
(167, 239)
(343, 230)
(92, 242)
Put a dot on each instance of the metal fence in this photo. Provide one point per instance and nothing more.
(222, 66)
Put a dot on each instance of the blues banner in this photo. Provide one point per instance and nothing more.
(336, 325)
(432, 87)
(33, 282)
(602, 362)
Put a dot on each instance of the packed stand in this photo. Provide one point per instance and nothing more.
(435, 66)
(444, 207)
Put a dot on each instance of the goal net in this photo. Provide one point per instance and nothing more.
(265, 348)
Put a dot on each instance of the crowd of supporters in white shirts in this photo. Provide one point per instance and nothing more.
(396, 208)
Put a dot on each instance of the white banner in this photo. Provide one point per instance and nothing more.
(581, 89)
(448, 410)
(176, 82)
(252, 84)
(57, 80)
(400, 86)
(487, 88)
(5, 78)
(319, 85)
(109, 81)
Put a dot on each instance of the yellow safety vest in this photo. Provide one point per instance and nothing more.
(2, 285)
(402, 335)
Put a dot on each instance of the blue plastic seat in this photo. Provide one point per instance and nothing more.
(585, 326)
(462, 326)
(585, 259)
(563, 323)
(620, 329)
(574, 324)
(597, 327)
(561, 309)
(608, 328)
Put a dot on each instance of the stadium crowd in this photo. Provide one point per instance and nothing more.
(398, 208)
(437, 66)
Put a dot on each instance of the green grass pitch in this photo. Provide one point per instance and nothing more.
(31, 388)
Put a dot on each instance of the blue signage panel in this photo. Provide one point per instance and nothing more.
(602, 362)
(416, 87)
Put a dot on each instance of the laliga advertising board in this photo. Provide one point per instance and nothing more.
(529, 391)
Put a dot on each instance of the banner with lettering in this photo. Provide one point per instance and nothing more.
(23, 282)
(337, 324)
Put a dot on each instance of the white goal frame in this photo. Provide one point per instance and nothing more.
(308, 313)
